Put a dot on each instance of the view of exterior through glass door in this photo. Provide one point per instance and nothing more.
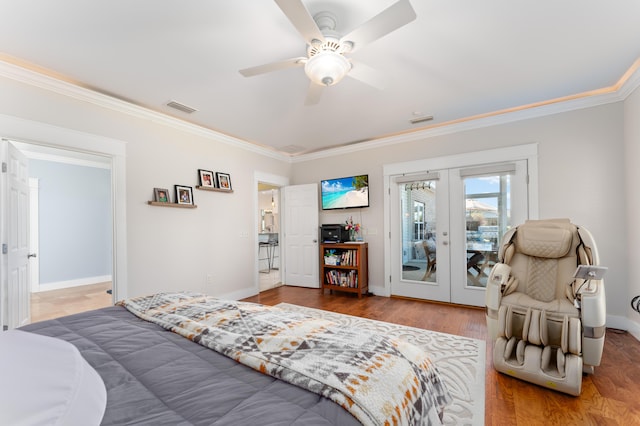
(450, 225)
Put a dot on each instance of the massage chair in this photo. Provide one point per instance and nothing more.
(548, 327)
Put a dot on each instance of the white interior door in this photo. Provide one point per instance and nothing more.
(34, 263)
(18, 287)
(447, 226)
(300, 223)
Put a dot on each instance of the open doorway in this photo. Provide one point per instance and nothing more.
(269, 231)
(70, 231)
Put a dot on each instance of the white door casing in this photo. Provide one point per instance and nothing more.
(300, 203)
(451, 167)
(18, 287)
(279, 181)
(15, 128)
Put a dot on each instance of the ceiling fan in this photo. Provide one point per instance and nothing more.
(325, 63)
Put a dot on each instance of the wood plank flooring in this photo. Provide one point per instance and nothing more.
(57, 303)
(609, 397)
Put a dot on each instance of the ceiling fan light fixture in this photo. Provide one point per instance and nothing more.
(327, 68)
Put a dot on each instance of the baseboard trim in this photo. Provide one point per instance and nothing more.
(634, 329)
(73, 283)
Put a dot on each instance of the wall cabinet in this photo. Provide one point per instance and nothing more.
(344, 267)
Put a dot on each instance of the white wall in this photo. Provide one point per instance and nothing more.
(581, 177)
(632, 169)
(167, 248)
(581, 169)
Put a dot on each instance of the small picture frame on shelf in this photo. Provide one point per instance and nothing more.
(224, 181)
(161, 195)
(207, 179)
(184, 194)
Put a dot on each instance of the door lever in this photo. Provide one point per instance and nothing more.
(31, 255)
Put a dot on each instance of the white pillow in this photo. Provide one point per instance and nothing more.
(45, 381)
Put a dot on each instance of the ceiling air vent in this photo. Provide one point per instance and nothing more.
(181, 107)
(422, 119)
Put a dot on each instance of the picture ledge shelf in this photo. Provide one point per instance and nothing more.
(207, 188)
(180, 206)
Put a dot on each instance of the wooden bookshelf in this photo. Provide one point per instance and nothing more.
(350, 273)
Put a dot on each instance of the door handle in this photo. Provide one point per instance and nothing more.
(31, 255)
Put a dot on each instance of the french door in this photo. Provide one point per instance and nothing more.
(446, 227)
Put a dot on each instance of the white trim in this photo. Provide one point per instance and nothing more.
(73, 283)
(463, 126)
(29, 131)
(587, 100)
(32, 78)
(275, 180)
(527, 152)
(237, 295)
(633, 327)
(32, 155)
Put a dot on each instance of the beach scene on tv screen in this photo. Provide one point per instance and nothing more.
(345, 192)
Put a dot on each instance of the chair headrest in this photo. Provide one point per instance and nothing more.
(545, 239)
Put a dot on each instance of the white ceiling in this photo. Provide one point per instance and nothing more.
(458, 59)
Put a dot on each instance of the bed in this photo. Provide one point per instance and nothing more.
(156, 376)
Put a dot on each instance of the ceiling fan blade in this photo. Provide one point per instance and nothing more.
(366, 74)
(301, 19)
(274, 66)
(390, 19)
(313, 94)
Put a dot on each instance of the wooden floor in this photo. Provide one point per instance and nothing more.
(57, 303)
(610, 397)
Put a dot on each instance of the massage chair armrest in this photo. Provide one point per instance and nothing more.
(498, 278)
(593, 304)
(593, 314)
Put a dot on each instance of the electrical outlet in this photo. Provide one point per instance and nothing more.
(209, 278)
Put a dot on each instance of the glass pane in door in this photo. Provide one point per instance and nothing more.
(418, 201)
(488, 217)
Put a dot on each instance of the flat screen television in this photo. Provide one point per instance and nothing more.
(345, 193)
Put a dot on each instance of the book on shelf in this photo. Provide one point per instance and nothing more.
(342, 278)
(343, 258)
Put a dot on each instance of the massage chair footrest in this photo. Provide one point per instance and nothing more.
(528, 364)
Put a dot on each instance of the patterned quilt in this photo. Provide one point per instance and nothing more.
(379, 380)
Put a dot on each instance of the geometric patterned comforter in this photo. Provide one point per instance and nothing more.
(379, 380)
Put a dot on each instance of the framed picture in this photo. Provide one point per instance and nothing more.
(184, 194)
(206, 178)
(224, 181)
(161, 195)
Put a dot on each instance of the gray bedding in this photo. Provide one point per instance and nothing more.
(156, 377)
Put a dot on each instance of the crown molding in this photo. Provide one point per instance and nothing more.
(615, 93)
(94, 97)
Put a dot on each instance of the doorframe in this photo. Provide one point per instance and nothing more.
(527, 152)
(279, 181)
(34, 234)
(38, 133)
